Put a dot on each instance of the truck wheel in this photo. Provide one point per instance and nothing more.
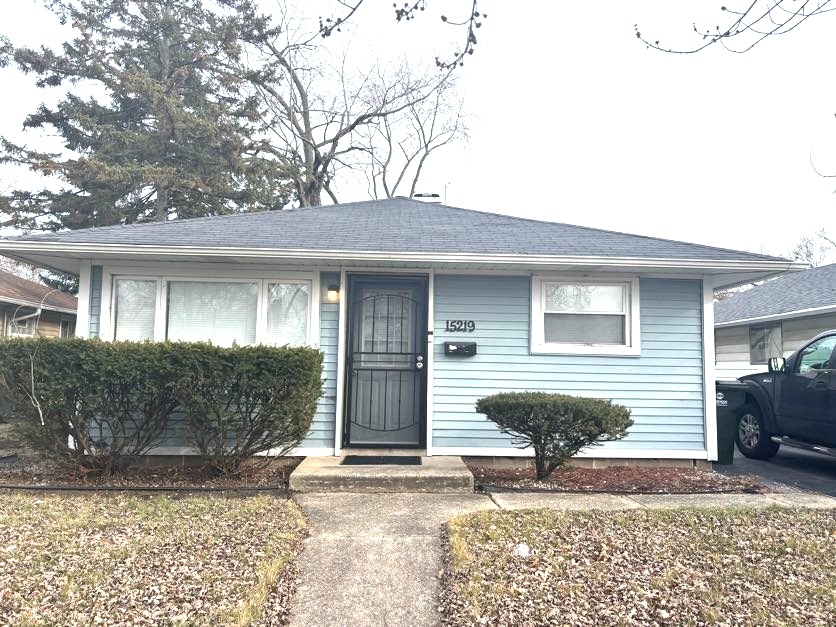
(752, 438)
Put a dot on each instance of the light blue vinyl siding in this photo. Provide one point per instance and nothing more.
(663, 386)
(321, 434)
(95, 309)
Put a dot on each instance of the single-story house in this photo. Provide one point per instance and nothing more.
(28, 308)
(421, 309)
(773, 319)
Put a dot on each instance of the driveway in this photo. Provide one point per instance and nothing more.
(795, 468)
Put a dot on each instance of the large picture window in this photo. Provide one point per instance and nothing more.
(765, 341)
(585, 317)
(225, 313)
(221, 311)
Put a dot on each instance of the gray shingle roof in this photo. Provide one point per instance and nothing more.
(396, 225)
(15, 289)
(785, 294)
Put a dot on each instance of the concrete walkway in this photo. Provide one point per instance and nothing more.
(374, 559)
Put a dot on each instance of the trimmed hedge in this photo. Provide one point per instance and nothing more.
(97, 404)
(556, 426)
(242, 401)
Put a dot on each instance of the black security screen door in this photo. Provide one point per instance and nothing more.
(387, 353)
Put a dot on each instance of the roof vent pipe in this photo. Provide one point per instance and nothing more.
(434, 199)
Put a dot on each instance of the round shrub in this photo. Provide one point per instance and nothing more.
(555, 426)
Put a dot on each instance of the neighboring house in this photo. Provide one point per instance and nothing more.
(772, 319)
(28, 308)
(422, 309)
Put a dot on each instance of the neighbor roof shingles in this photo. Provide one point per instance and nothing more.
(17, 290)
(798, 291)
(396, 225)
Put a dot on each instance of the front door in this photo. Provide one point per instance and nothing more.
(386, 361)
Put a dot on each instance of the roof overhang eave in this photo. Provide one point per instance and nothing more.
(730, 272)
(786, 315)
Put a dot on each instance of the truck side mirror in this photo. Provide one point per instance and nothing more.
(776, 364)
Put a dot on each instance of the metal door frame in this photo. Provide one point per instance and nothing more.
(421, 280)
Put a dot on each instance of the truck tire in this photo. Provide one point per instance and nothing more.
(753, 440)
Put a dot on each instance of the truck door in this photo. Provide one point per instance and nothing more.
(806, 396)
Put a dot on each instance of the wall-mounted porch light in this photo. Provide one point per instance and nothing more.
(333, 294)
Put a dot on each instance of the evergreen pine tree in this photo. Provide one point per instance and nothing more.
(157, 123)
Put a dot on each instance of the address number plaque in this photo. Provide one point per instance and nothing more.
(460, 326)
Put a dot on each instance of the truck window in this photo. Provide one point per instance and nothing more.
(818, 356)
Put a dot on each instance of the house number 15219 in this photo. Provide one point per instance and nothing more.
(460, 326)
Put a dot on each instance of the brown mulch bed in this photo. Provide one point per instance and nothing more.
(617, 479)
(29, 470)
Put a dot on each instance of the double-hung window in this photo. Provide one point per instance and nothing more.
(583, 316)
(221, 311)
(765, 341)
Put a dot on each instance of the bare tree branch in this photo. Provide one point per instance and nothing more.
(749, 26)
(399, 147)
(319, 113)
(408, 12)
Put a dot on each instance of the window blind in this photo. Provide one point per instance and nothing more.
(219, 312)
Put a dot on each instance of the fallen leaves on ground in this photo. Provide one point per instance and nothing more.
(115, 559)
(682, 567)
(663, 480)
(31, 470)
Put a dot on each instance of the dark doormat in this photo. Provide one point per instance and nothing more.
(381, 460)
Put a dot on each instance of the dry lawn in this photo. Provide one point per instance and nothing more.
(706, 567)
(133, 560)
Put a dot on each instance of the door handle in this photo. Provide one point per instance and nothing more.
(419, 365)
(820, 385)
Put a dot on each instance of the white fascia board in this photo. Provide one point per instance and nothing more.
(87, 249)
(798, 313)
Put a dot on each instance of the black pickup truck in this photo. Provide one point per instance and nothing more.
(793, 404)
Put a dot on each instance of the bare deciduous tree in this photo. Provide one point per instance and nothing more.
(398, 147)
(320, 109)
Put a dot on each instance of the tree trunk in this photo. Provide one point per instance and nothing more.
(161, 204)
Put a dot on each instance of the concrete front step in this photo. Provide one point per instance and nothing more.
(442, 474)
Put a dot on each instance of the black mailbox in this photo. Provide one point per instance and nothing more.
(460, 349)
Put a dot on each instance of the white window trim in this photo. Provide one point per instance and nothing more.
(262, 280)
(30, 322)
(765, 325)
(633, 322)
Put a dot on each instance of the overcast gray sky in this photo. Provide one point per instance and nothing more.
(575, 120)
